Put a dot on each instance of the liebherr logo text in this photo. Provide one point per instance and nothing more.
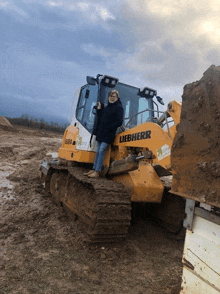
(70, 141)
(135, 136)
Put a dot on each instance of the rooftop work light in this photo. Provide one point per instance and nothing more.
(147, 92)
(109, 81)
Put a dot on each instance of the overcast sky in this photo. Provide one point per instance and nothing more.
(49, 47)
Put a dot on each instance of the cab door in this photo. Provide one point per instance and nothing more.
(84, 111)
(86, 117)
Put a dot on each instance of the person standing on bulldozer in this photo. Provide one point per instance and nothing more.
(109, 119)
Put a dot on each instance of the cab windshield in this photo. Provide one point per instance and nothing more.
(135, 107)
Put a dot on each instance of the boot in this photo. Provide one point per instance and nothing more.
(95, 174)
(90, 172)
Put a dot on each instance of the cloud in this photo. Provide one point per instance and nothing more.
(159, 63)
(188, 19)
(3, 4)
(50, 46)
(213, 56)
(44, 70)
(35, 78)
(70, 15)
(100, 51)
(174, 41)
(91, 10)
(18, 13)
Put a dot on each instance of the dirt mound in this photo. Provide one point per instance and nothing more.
(5, 122)
(196, 148)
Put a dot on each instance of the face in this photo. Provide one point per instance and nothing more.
(113, 98)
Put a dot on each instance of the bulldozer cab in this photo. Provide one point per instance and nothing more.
(137, 103)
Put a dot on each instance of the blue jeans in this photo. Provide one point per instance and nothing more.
(100, 154)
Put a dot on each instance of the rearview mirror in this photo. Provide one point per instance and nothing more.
(91, 81)
(160, 100)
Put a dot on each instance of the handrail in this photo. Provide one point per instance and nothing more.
(148, 109)
(157, 107)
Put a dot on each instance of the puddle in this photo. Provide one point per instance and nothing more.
(53, 154)
(4, 183)
(56, 139)
(6, 188)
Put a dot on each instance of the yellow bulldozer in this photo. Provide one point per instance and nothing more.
(137, 165)
(153, 146)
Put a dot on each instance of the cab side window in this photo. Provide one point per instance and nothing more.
(84, 111)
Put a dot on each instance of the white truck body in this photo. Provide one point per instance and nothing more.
(201, 257)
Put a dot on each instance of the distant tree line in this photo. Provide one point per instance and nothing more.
(27, 121)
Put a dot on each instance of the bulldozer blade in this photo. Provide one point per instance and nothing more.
(195, 154)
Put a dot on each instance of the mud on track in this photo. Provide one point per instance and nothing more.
(41, 250)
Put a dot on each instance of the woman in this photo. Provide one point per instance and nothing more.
(109, 119)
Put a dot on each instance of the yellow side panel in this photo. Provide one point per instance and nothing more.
(68, 149)
(143, 184)
(83, 156)
(76, 155)
(69, 152)
(148, 135)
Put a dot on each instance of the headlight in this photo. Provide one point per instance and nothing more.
(146, 92)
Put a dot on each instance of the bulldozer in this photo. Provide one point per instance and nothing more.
(153, 146)
(137, 164)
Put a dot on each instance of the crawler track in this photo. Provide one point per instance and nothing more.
(103, 205)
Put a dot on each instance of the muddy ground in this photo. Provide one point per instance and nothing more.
(41, 250)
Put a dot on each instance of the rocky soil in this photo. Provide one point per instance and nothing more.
(41, 249)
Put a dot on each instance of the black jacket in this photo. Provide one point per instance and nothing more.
(109, 119)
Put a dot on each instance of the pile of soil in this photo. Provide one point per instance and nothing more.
(41, 249)
(5, 122)
(195, 152)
